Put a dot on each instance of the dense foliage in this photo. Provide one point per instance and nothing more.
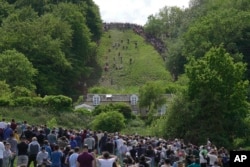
(57, 39)
(111, 121)
(209, 43)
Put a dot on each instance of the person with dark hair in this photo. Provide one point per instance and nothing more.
(29, 134)
(42, 158)
(143, 161)
(13, 124)
(7, 154)
(22, 156)
(110, 146)
(41, 137)
(52, 139)
(47, 148)
(86, 159)
(56, 157)
(7, 132)
(106, 159)
(167, 163)
(102, 142)
(73, 157)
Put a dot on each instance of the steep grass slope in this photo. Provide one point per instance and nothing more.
(127, 60)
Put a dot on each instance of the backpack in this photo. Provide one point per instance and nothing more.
(34, 149)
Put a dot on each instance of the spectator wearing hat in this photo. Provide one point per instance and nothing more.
(42, 158)
(33, 149)
(22, 156)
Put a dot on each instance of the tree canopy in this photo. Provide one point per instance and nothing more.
(216, 99)
(57, 37)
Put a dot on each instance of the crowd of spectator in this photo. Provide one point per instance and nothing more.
(22, 144)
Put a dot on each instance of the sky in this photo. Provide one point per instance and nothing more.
(134, 11)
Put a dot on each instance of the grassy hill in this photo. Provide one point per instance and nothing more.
(128, 61)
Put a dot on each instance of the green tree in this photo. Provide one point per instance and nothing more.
(5, 90)
(151, 95)
(216, 98)
(122, 108)
(17, 70)
(5, 10)
(228, 26)
(111, 121)
(167, 22)
(82, 49)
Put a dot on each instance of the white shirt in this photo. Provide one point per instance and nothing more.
(212, 158)
(202, 158)
(2, 149)
(3, 125)
(73, 159)
(106, 162)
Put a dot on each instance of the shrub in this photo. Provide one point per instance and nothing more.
(111, 121)
(123, 108)
(23, 101)
(5, 101)
(102, 108)
(83, 111)
(58, 102)
(38, 101)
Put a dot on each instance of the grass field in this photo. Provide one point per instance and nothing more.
(129, 60)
